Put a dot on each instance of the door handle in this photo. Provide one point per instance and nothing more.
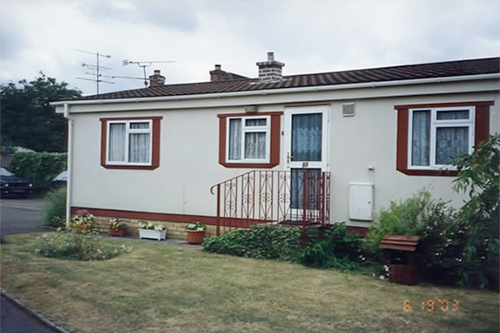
(288, 158)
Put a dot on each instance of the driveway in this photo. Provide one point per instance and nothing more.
(19, 216)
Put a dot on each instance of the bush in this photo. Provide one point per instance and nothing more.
(259, 241)
(445, 253)
(340, 250)
(78, 240)
(39, 168)
(405, 217)
(440, 246)
(55, 208)
(454, 248)
(76, 246)
(479, 176)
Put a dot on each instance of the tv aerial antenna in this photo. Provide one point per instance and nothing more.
(97, 68)
(144, 64)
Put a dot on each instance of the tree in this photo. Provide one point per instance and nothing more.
(28, 120)
(479, 176)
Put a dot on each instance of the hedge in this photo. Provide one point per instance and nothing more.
(39, 168)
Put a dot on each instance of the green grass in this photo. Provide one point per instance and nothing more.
(162, 288)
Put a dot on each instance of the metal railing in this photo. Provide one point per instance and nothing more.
(300, 197)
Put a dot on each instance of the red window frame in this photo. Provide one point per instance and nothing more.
(275, 134)
(481, 132)
(155, 153)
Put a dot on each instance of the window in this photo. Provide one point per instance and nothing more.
(431, 135)
(437, 135)
(130, 142)
(249, 141)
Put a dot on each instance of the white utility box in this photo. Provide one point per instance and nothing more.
(361, 201)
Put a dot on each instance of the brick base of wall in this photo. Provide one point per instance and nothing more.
(175, 230)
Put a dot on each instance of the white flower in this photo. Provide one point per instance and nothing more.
(382, 277)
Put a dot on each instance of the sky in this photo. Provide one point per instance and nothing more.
(184, 39)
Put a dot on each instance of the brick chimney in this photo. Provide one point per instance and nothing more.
(217, 74)
(270, 70)
(156, 79)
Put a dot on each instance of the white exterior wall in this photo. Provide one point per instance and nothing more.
(189, 148)
(369, 140)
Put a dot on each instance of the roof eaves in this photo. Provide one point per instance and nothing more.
(271, 90)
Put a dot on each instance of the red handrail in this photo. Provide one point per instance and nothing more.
(299, 198)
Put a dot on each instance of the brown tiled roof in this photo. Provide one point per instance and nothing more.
(395, 73)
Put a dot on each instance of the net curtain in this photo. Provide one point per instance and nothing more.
(306, 137)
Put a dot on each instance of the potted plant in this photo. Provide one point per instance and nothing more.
(196, 232)
(117, 227)
(152, 231)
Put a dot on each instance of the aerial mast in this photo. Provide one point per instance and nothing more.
(143, 64)
(97, 68)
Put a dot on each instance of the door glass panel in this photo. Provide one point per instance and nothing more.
(310, 186)
(306, 137)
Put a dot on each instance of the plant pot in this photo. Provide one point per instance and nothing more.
(152, 234)
(195, 236)
(118, 232)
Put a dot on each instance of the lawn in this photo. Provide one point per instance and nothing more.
(159, 288)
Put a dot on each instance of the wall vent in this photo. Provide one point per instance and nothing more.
(348, 110)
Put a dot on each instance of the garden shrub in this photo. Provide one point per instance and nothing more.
(440, 245)
(55, 208)
(340, 249)
(39, 168)
(259, 241)
(457, 247)
(479, 176)
(68, 245)
(404, 217)
(78, 240)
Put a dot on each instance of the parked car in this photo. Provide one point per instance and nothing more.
(60, 180)
(12, 184)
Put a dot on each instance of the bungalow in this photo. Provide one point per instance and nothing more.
(300, 149)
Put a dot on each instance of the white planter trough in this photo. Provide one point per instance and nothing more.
(152, 234)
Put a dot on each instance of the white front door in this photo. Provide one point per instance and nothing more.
(306, 151)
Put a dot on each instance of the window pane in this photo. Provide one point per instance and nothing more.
(255, 145)
(116, 149)
(451, 142)
(139, 148)
(255, 122)
(306, 137)
(234, 140)
(139, 125)
(455, 114)
(420, 145)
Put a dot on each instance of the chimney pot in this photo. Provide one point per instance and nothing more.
(270, 56)
(218, 67)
